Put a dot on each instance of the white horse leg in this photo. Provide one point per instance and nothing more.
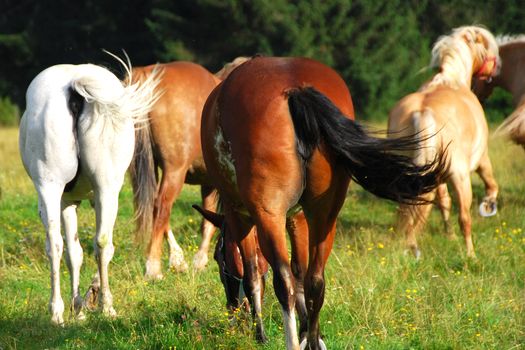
(106, 207)
(177, 261)
(74, 256)
(49, 209)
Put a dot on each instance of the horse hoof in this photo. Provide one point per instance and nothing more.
(153, 270)
(153, 276)
(76, 308)
(261, 338)
(200, 260)
(414, 251)
(109, 312)
(488, 208)
(304, 344)
(57, 320)
(178, 266)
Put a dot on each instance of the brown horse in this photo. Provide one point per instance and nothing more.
(171, 142)
(446, 104)
(278, 135)
(510, 76)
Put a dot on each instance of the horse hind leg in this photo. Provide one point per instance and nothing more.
(445, 204)
(272, 240)
(252, 281)
(297, 228)
(488, 206)
(74, 256)
(49, 209)
(462, 186)
(209, 201)
(106, 207)
(411, 219)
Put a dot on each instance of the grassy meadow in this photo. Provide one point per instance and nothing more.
(377, 297)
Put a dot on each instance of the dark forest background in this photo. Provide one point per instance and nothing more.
(379, 46)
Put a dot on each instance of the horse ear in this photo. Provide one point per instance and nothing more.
(216, 219)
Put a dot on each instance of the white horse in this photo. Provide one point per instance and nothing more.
(76, 141)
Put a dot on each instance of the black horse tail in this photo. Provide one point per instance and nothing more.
(374, 163)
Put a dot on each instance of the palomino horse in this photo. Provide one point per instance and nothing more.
(511, 77)
(446, 104)
(277, 135)
(171, 142)
(76, 142)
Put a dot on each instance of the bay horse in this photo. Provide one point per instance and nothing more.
(509, 76)
(170, 141)
(76, 142)
(445, 103)
(277, 135)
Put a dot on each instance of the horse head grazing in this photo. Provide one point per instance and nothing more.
(446, 104)
(80, 114)
(468, 51)
(231, 271)
(278, 136)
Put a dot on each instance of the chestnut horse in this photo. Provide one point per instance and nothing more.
(510, 77)
(171, 142)
(278, 135)
(445, 103)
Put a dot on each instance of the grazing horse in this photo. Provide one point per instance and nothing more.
(76, 142)
(277, 135)
(446, 104)
(510, 76)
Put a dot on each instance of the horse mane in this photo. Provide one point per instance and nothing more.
(454, 54)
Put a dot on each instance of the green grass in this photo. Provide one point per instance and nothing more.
(376, 296)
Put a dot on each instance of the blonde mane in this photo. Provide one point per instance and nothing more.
(454, 54)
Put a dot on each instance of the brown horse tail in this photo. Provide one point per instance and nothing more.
(374, 163)
(142, 171)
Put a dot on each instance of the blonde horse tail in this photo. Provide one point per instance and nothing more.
(514, 126)
(142, 170)
(143, 174)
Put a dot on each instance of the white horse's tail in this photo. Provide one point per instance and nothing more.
(514, 126)
(424, 125)
(114, 99)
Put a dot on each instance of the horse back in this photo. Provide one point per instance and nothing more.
(176, 117)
